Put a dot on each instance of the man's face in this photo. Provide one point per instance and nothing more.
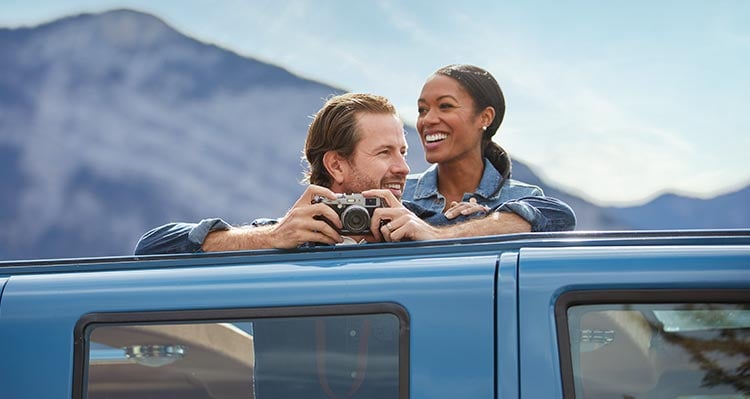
(379, 159)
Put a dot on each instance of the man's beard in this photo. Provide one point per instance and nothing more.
(361, 182)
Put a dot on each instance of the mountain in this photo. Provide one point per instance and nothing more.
(114, 123)
(589, 216)
(671, 211)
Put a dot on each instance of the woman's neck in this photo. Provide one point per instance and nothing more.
(459, 177)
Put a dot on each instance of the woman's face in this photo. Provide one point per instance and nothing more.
(448, 123)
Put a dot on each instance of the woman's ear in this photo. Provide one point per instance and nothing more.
(336, 165)
(487, 116)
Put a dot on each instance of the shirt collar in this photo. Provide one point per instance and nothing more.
(489, 186)
(427, 185)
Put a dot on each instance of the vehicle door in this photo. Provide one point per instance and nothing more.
(628, 321)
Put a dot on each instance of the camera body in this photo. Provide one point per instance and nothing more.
(355, 211)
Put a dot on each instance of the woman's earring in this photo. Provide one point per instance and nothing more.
(484, 128)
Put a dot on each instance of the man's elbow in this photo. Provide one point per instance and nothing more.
(559, 216)
(546, 214)
(168, 239)
(143, 248)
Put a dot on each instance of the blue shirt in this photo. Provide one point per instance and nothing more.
(526, 200)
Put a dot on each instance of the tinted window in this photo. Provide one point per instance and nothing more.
(327, 356)
(680, 350)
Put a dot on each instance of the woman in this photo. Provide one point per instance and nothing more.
(460, 109)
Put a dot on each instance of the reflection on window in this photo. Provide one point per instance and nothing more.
(353, 356)
(685, 351)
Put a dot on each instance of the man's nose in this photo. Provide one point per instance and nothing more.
(400, 166)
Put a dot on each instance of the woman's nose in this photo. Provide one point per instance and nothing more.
(429, 117)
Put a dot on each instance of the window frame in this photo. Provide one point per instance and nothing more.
(92, 320)
(619, 297)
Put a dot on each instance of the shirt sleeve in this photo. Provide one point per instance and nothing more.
(542, 213)
(174, 238)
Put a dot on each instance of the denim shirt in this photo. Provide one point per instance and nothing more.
(178, 238)
(525, 200)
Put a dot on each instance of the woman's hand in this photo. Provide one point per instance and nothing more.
(465, 208)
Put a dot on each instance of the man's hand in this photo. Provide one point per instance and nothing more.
(396, 223)
(308, 221)
(305, 222)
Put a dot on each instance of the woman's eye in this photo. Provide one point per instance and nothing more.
(421, 111)
(446, 106)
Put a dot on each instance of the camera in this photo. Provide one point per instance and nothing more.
(354, 210)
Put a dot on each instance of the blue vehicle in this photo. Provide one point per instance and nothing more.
(559, 315)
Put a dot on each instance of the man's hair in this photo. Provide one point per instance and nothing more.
(334, 128)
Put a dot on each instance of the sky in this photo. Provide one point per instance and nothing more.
(615, 101)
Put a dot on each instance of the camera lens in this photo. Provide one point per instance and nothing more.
(356, 219)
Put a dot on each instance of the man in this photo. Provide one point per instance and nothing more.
(355, 142)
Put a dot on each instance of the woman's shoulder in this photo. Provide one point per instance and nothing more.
(410, 186)
(530, 189)
(421, 185)
(413, 178)
(519, 183)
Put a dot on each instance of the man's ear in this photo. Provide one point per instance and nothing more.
(336, 165)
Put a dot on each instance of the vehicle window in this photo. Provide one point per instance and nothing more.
(327, 356)
(678, 350)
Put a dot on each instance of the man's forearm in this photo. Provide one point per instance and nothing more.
(239, 239)
(492, 224)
